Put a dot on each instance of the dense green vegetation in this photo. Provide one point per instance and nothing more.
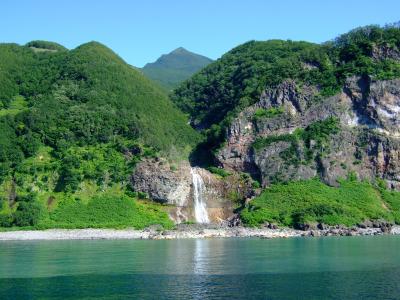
(294, 137)
(44, 190)
(268, 113)
(219, 171)
(311, 201)
(46, 45)
(314, 137)
(392, 201)
(105, 211)
(85, 96)
(73, 125)
(173, 68)
(16, 105)
(222, 89)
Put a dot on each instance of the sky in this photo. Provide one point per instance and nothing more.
(140, 31)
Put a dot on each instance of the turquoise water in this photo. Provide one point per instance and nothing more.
(303, 268)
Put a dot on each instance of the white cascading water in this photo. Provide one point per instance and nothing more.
(200, 208)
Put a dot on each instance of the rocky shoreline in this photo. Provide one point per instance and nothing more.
(189, 232)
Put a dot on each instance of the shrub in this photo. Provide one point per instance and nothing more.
(318, 132)
(268, 113)
(142, 195)
(219, 171)
(6, 220)
(392, 200)
(27, 214)
(312, 201)
(46, 45)
(108, 211)
(255, 184)
(30, 197)
(261, 143)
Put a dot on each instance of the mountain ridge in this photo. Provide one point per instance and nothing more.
(173, 68)
(73, 125)
(288, 133)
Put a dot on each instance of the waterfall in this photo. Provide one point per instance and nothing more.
(200, 210)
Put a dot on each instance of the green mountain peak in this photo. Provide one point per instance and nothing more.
(173, 68)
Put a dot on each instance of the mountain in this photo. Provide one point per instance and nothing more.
(309, 122)
(39, 45)
(283, 133)
(79, 90)
(173, 68)
(73, 124)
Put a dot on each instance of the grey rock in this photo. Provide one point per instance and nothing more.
(162, 183)
(172, 184)
(384, 52)
(367, 145)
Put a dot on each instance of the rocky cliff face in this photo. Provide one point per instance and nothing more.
(171, 184)
(385, 51)
(291, 133)
(367, 142)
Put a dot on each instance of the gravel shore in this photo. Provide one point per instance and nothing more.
(183, 233)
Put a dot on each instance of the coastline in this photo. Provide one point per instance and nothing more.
(185, 233)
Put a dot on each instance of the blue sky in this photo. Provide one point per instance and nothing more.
(140, 31)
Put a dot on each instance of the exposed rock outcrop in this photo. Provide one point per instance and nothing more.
(164, 183)
(367, 144)
(385, 51)
(172, 184)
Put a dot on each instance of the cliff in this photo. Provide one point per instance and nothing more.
(292, 144)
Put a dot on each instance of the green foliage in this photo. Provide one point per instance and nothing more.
(219, 171)
(352, 176)
(381, 184)
(312, 201)
(46, 45)
(392, 200)
(16, 105)
(74, 124)
(69, 176)
(78, 187)
(173, 68)
(142, 195)
(27, 214)
(104, 163)
(237, 79)
(314, 137)
(261, 143)
(268, 113)
(10, 150)
(82, 97)
(6, 220)
(255, 184)
(320, 131)
(107, 211)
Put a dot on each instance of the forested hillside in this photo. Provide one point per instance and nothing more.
(173, 68)
(73, 123)
(237, 80)
(316, 125)
(284, 121)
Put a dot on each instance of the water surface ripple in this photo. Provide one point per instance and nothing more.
(297, 268)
